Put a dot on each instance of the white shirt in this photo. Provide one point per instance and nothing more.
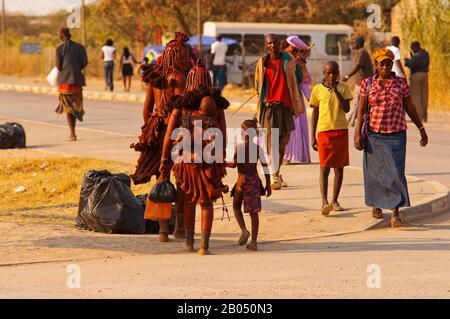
(219, 49)
(398, 57)
(108, 52)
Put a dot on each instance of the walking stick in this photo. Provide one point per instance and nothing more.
(240, 107)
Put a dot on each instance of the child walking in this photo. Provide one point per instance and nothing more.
(249, 188)
(330, 101)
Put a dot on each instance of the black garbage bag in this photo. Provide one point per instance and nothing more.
(152, 226)
(163, 192)
(12, 135)
(107, 204)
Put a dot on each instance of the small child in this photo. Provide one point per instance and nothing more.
(249, 187)
(330, 101)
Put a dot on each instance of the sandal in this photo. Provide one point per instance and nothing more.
(244, 238)
(252, 247)
(276, 182)
(377, 213)
(326, 209)
(337, 207)
(395, 221)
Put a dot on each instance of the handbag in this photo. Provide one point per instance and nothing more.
(366, 117)
(163, 192)
(52, 77)
(157, 211)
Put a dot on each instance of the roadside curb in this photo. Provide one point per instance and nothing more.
(87, 94)
(430, 207)
(250, 107)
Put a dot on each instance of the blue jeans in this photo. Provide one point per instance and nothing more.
(219, 75)
(109, 71)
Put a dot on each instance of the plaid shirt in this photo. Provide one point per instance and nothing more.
(387, 114)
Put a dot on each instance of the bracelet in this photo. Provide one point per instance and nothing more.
(421, 128)
(164, 160)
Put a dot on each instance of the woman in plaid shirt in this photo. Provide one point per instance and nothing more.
(388, 98)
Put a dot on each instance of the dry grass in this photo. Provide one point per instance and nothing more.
(52, 187)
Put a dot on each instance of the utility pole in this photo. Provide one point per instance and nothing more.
(3, 34)
(83, 23)
(199, 30)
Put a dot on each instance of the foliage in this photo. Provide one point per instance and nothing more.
(429, 23)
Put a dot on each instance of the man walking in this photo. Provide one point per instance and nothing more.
(363, 69)
(71, 59)
(219, 51)
(395, 48)
(278, 99)
(418, 80)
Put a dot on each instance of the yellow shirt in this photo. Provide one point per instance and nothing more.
(331, 115)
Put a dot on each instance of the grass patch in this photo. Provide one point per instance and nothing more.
(52, 187)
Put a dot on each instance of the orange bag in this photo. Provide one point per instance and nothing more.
(157, 211)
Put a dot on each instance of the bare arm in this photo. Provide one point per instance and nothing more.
(314, 120)
(171, 126)
(354, 71)
(58, 60)
(411, 111)
(223, 127)
(343, 103)
(357, 139)
(149, 103)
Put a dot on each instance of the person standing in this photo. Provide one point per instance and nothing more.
(297, 149)
(419, 64)
(126, 66)
(279, 98)
(199, 108)
(388, 98)
(108, 56)
(164, 80)
(362, 70)
(330, 101)
(71, 59)
(219, 68)
(395, 48)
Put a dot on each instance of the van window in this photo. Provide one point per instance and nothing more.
(331, 44)
(234, 48)
(305, 38)
(254, 44)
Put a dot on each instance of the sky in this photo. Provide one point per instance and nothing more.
(40, 7)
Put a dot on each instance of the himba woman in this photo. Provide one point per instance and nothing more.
(200, 182)
(164, 80)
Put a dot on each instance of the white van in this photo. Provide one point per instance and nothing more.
(331, 42)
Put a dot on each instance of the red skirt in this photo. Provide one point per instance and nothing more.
(333, 148)
(201, 183)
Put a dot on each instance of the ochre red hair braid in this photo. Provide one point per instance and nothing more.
(198, 78)
(171, 61)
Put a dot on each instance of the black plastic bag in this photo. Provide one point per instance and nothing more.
(152, 226)
(163, 192)
(107, 204)
(12, 135)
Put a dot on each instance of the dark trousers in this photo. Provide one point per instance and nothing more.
(109, 71)
(219, 75)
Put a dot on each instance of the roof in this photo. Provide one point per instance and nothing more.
(277, 26)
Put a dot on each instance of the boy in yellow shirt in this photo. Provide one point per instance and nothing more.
(330, 101)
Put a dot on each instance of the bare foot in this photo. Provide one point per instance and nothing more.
(203, 251)
(72, 138)
(252, 246)
(163, 237)
(189, 247)
(244, 238)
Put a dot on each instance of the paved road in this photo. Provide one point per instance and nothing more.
(126, 118)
